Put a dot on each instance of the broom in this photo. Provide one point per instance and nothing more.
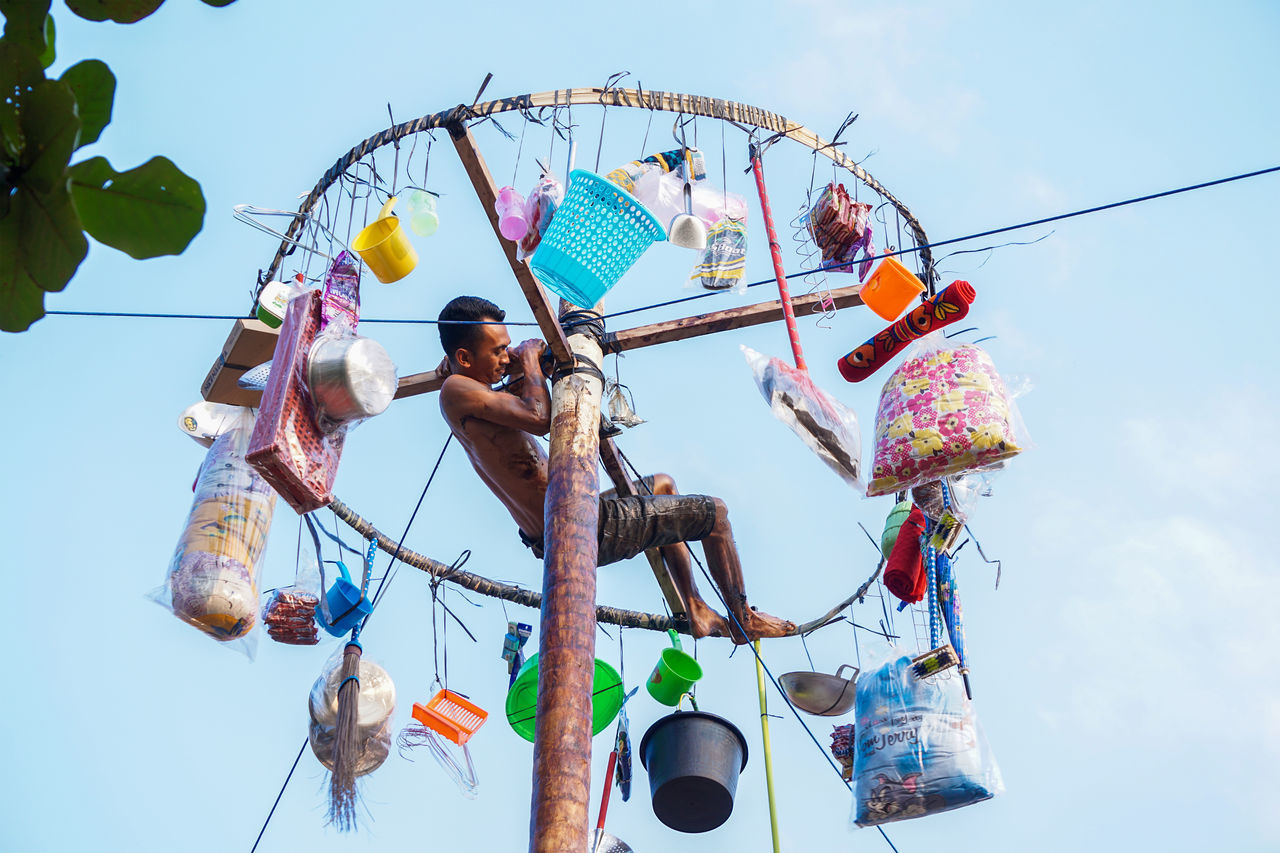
(346, 746)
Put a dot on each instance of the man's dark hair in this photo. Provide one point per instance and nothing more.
(468, 309)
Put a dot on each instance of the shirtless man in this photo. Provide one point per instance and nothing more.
(497, 427)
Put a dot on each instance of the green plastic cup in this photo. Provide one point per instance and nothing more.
(673, 675)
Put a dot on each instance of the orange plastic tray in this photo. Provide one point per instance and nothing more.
(452, 715)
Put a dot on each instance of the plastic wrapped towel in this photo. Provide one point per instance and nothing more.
(919, 749)
(826, 426)
(212, 582)
(943, 412)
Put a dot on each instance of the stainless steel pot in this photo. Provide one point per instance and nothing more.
(350, 378)
(819, 693)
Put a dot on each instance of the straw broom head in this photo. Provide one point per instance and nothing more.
(347, 746)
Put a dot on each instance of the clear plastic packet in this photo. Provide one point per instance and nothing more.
(540, 208)
(289, 612)
(212, 582)
(944, 411)
(724, 261)
(826, 426)
(663, 194)
(840, 228)
(374, 710)
(288, 447)
(918, 747)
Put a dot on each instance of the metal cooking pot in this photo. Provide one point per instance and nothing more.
(350, 378)
(819, 693)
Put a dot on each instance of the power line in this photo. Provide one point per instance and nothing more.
(1029, 224)
(243, 317)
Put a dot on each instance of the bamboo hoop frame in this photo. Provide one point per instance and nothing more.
(743, 115)
(529, 598)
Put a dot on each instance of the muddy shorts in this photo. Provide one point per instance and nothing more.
(632, 525)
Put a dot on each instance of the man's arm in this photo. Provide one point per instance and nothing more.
(528, 411)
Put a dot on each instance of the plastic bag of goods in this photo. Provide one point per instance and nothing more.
(918, 747)
(725, 259)
(943, 412)
(212, 581)
(826, 426)
(290, 611)
(374, 709)
(540, 209)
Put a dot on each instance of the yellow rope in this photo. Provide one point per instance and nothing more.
(768, 750)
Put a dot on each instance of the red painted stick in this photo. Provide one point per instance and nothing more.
(608, 785)
(774, 249)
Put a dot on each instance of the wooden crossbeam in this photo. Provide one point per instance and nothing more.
(675, 330)
(487, 191)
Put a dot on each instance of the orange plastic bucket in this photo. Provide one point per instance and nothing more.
(891, 289)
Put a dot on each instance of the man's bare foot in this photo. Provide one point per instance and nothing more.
(761, 626)
(705, 622)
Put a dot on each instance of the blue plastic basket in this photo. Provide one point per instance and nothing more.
(598, 232)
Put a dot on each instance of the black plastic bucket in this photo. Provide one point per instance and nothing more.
(693, 759)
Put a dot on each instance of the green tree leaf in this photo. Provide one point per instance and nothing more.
(41, 246)
(219, 3)
(50, 37)
(24, 22)
(152, 210)
(19, 72)
(95, 89)
(50, 128)
(120, 11)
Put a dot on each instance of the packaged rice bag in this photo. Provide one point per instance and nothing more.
(943, 412)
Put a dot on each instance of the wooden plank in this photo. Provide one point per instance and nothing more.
(566, 641)
(613, 466)
(675, 330)
(250, 343)
(722, 321)
(487, 192)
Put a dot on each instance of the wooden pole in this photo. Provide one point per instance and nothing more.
(560, 822)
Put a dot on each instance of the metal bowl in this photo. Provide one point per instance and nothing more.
(350, 378)
(821, 694)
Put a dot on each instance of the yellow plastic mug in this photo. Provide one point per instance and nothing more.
(385, 246)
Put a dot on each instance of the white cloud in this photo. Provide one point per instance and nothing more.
(882, 61)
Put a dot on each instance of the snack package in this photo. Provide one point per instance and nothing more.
(212, 581)
(725, 259)
(540, 208)
(374, 710)
(839, 228)
(943, 412)
(288, 448)
(290, 611)
(918, 747)
(827, 427)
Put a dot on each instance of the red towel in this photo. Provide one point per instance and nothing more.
(943, 309)
(905, 575)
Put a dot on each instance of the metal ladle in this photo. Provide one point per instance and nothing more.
(687, 230)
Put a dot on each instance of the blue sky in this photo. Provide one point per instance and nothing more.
(1119, 671)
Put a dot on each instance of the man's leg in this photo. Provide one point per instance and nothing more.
(726, 571)
(703, 621)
